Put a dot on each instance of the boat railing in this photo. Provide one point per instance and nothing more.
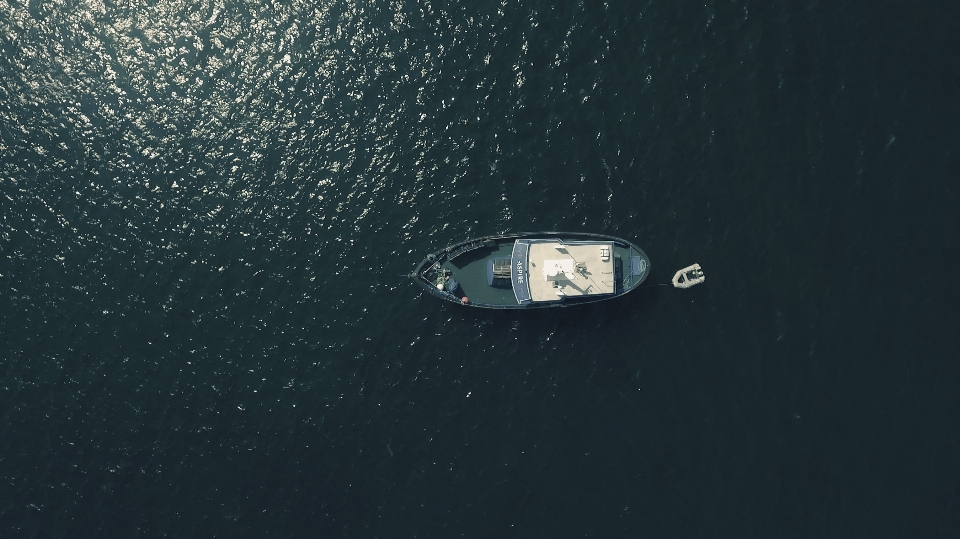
(466, 247)
(452, 298)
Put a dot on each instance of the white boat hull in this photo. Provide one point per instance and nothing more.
(689, 276)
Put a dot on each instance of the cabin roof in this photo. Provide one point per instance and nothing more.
(552, 270)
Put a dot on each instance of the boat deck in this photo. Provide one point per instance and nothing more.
(470, 270)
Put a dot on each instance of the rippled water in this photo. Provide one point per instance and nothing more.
(208, 208)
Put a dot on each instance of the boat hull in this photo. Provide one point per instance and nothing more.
(476, 266)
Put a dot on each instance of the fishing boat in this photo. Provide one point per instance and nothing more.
(529, 270)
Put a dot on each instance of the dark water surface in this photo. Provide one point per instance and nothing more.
(206, 209)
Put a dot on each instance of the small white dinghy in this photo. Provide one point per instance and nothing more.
(689, 276)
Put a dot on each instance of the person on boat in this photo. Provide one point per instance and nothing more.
(452, 286)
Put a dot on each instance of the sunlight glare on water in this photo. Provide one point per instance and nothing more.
(208, 209)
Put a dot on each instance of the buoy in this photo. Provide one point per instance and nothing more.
(464, 300)
(689, 276)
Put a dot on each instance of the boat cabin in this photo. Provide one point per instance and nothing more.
(548, 270)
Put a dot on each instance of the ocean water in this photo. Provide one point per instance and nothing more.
(207, 210)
